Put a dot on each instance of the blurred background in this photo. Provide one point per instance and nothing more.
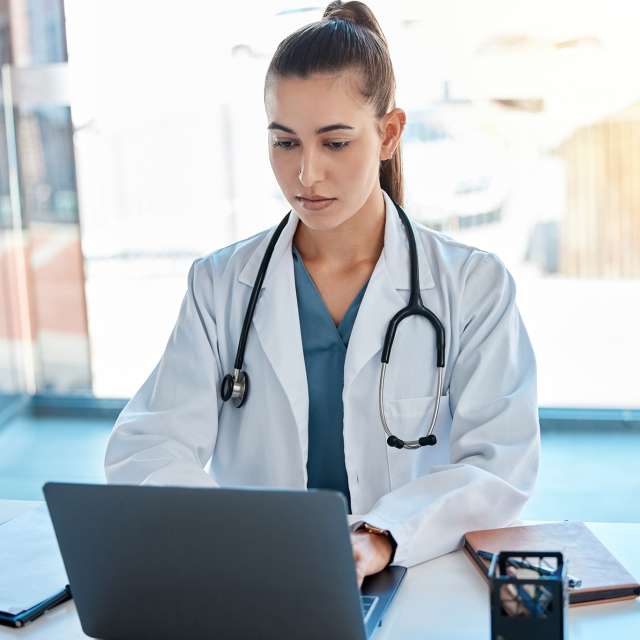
(133, 140)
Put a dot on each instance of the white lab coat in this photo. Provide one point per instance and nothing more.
(484, 466)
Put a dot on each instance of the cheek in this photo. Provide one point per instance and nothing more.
(278, 165)
(273, 160)
(360, 165)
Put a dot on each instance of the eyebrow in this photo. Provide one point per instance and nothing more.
(329, 127)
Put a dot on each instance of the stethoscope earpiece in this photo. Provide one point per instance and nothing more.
(425, 441)
(394, 441)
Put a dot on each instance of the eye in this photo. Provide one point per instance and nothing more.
(338, 145)
(284, 144)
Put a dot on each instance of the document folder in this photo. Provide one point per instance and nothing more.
(602, 577)
(32, 578)
(19, 619)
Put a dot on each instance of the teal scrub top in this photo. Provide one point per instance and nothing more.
(325, 347)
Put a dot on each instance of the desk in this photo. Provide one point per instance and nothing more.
(445, 599)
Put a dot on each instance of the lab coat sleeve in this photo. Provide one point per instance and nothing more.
(495, 433)
(167, 431)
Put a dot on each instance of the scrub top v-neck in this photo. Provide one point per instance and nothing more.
(325, 347)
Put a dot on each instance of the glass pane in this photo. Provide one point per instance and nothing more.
(521, 139)
(11, 363)
(13, 341)
(537, 163)
(56, 276)
(42, 264)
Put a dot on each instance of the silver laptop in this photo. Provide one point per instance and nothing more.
(170, 562)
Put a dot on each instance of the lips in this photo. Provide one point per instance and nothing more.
(317, 204)
(314, 198)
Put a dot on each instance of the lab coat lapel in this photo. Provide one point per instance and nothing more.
(277, 324)
(385, 294)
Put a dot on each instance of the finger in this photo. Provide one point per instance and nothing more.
(357, 549)
(357, 539)
(360, 577)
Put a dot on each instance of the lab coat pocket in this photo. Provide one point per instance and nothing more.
(409, 419)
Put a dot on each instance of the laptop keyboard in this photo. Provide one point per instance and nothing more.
(368, 605)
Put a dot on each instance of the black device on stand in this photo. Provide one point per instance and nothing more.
(529, 596)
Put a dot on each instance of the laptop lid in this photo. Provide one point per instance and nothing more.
(168, 562)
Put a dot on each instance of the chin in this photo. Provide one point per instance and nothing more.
(315, 222)
(319, 221)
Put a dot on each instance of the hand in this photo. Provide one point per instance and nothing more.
(371, 553)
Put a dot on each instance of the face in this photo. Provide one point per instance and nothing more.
(326, 142)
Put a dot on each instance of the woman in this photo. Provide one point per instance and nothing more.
(339, 272)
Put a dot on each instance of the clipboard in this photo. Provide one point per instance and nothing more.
(602, 578)
(21, 618)
(33, 579)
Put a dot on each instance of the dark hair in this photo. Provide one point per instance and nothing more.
(348, 37)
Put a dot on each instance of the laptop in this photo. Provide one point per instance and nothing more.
(173, 562)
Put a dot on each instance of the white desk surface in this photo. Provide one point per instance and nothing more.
(444, 599)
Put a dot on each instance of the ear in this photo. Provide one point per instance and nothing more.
(392, 127)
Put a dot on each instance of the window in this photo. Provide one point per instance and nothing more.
(522, 139)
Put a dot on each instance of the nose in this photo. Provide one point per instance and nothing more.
(310, 169)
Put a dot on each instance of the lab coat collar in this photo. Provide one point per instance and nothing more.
(382, 298)
(277, 323)
(395, 253)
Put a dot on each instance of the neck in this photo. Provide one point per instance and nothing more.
(359, 239)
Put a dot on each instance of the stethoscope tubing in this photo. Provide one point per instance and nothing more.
(236, 386)
(253, 300)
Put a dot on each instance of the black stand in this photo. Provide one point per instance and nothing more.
(529, 596)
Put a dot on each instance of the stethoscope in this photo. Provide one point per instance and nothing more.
(236, 386)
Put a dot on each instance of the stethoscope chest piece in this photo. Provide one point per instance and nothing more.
(235, 387)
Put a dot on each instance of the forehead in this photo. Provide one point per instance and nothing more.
(320, 99)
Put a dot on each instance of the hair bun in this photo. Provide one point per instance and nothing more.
(356, 12)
